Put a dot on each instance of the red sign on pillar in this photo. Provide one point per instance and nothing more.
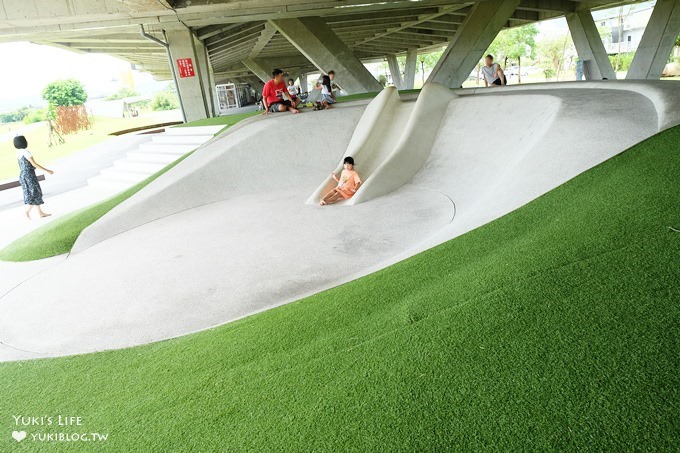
(186, 67)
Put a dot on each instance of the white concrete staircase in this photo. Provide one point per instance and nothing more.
(163, 149)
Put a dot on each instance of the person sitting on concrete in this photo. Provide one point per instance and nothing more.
(294, 92)
(327, 96)
(493, 74)
(273, 95)
(348, 184)
(334, 85)
(33, 196)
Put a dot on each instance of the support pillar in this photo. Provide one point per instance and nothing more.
(471, 40)
(410, 69)
(262, 73)
(195, 89)
(205, 71)
(393, 63)
(255, 83)
(303, 83)
(657, 41)
(589, 46)
(321, 46)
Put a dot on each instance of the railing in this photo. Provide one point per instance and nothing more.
(13, 184)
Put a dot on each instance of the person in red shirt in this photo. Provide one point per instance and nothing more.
(274, 94)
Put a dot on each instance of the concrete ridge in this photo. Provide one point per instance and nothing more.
(665, 100)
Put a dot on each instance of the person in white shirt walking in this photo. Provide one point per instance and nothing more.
(33, 196)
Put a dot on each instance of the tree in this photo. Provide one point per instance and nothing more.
(522, 43)
(65, 93)
(66, 99)
(552, 54)
(499, 48)
(428, 61)
(14, 116)
(514, 44)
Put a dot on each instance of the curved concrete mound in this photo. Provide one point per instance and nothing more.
(229, 232)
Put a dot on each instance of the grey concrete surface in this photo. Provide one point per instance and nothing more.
(227, 233)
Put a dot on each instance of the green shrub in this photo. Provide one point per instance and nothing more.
(625, 59)
(35, 116)
(123, 93)
(165, 101)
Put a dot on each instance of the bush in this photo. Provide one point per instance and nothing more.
(165, 101)
(12, 117)
(123, 93)
(625, 59)
(35, 116)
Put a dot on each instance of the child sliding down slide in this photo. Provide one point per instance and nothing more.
(348, 184)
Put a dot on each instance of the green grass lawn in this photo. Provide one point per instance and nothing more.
(553, 328)
(101, 129)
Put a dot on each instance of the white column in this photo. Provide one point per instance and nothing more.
(194, 88)
(393, 63)
(657, 41)
(591, 51)
(320, 45)
(474, 36)
(410, 69)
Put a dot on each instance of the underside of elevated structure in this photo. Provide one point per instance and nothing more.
(241, 41)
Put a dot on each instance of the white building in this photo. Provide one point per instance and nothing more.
(622, 27)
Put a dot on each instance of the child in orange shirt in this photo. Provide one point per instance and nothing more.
(348, 184)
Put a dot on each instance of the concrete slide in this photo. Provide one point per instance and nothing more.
(236, 228)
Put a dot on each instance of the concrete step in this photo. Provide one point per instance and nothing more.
(122, 175)
(135, 166)
(162, 158)
(178, 150)
(149, 158)
(110, 183)
(194, 130)
(181, 139)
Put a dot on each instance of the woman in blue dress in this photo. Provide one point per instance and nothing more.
(28, 179)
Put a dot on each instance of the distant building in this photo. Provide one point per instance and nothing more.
(623, 27)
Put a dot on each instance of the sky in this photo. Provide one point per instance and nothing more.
(28, 68)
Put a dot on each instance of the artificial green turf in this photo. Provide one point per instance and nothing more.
(552, 328)
(370, 95)
(227, 120)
